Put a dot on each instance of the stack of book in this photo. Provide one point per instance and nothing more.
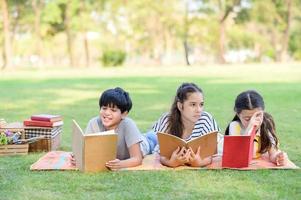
(47, 125)
(44, 120)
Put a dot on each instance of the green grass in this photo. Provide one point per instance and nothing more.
(74, 94)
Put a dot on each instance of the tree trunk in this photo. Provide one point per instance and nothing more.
(37, 7)
(225, 12)
(186, 52)
(87, 52)
(7, 49)
(69, 34)
(186, 30)
(85, 39)
(221, 43)
(285, 39)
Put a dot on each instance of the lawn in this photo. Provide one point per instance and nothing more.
(74, 94)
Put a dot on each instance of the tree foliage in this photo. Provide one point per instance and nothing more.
(158, 32)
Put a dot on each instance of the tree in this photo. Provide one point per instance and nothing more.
(7, 53)
(285, 39)
(68, 29)
(275, 25)
(225, 8)
(37, 6)
(186, 30)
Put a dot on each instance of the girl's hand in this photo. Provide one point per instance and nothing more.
(256, 120)
(281, 158)
(114, 164)
(194, 158)
(179, 157)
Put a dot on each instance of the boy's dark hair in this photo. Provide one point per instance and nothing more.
(175, 124)
(249, 100)
(116, 97)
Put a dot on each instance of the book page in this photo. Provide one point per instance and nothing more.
(110, 132)
(99, 149)
(208, 144)
(168, 144)
(77, 145)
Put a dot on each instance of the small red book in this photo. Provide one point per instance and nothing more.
(29, 122)
(47, 117)
(238, 150)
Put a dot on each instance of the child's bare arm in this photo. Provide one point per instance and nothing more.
(278, 157)
(134, 160)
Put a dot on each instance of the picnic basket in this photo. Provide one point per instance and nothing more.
(13, 149)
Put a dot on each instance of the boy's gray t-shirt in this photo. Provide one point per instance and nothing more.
(128, 134)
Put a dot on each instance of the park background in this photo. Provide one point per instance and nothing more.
(58, 56)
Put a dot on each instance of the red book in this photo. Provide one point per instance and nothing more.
(238, 150)
(47, 118)
(29, 122)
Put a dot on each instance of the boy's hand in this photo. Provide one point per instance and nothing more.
(114, 164)
(179, 157)
(281, 159)
(73, 161)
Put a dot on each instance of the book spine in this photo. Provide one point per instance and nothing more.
(44, 119)
(42, 123)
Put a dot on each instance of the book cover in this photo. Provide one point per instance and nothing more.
(92, 151)
(238, 150)
(47, 117)
(29, 122)
(168, 143)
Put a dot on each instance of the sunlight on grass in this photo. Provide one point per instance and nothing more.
(74, 94)
(70, 96)
(273, 72)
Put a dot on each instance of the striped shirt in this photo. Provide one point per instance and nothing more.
(205, 124)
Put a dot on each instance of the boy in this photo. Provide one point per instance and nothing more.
(115, 105)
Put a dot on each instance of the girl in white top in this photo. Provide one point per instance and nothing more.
(249, 108)
(186, 120)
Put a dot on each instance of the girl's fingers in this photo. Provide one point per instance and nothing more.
(183, 149)
(175, 152)
(191, 152)
(198, 151)
(281, 158)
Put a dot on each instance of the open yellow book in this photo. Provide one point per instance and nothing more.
(168, 144)
(92, 151)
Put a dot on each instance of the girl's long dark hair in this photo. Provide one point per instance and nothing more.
(250, 100)
(267, 130)
(175, 124)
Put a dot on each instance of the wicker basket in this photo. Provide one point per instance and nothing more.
(50, 144)
(52, 139)
(13, 149)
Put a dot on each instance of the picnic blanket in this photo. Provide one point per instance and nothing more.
(54, 160)
(60, 160)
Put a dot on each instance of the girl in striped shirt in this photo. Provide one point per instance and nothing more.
(186, 120)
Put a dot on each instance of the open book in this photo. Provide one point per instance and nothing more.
(238, 150)
(93, 150)
(168, 143)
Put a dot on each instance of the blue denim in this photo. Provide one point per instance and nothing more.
(152, 139)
